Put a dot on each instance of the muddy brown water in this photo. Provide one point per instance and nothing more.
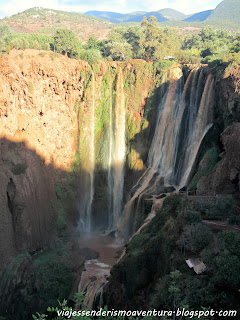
(97, 271)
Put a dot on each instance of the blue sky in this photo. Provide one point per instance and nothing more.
(9, 7)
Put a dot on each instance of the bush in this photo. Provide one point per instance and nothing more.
(195, 237)
(221, 209)
(55, 280)
(91, 56)
(192, 217)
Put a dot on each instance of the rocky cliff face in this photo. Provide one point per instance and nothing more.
(45, 108)
(224, 178)
(37, 97)
(37, 143)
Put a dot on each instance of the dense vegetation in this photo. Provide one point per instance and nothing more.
(154, 274)
(147, 41)
(47, 278)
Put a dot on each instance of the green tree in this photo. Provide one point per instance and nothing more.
(36, 45)
(4, 31)
(46, 46)
(65, 41)
(134, 36)
(24, 43)
(151, 36)
(118, 51)
(92, 43)
(91, 56)
(195, 237)
(15, 43)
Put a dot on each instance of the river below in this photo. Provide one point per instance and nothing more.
(97, 271)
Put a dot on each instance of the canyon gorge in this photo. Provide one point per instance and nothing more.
(83, 149)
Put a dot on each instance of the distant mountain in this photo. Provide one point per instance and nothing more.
(226, 15)
(115, 17)
(200, 16)
(139, 18)
(172, 15)
(227, 10)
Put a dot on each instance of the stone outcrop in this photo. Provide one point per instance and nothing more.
(224, 179)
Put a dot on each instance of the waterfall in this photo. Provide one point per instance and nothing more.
(200, 121)
(92, 155)
(160, 157)
(116, 153)
(110, 158)
(119, 150)
(184, 116)
(87, 156)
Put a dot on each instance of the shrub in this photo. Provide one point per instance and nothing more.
(195, 237)
(55, 280)
(221, 209)
(192, 217)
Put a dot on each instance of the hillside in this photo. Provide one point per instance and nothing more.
(228, 10)
(226, 15)
(46, 21)
(115, 17)
(137, 16)
(200, 16)
(172, 15)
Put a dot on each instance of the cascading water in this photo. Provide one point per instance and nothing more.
(200, 121)
(87, 181)
(184, 117)
(110, 159)
(92, 154)
(119, 150)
